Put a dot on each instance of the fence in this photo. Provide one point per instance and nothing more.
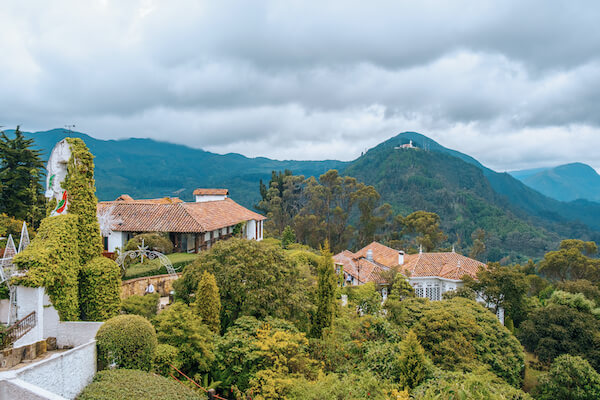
(18, 329)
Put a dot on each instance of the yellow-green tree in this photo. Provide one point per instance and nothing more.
(325, 293)
(413, 365)
(208, 302)
(426, 225)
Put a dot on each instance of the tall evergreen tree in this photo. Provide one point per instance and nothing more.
(21, 194)
(413, 365)
(326, 283)
(208, 302)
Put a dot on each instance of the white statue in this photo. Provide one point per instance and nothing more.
(57, 172)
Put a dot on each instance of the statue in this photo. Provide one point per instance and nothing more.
(57, 172)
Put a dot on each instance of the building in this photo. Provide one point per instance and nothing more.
(431, 274)
(192, 227)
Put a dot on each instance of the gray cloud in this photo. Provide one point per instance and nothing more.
(513, 84)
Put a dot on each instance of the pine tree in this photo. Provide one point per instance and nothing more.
(326, 284)
(208, 302)
(21, 194)
(413, 365)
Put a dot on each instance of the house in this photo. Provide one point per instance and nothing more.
(191, 226)
(408, 145)
(431, 274)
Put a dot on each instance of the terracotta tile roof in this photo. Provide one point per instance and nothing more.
(445, 265)
(125, 198)
(448, 265)
(381, 254)
(211, 192)
(160, 216)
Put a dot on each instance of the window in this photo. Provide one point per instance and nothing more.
(419, 290)
(433, 291)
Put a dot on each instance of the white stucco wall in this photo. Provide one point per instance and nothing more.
(18, 389)
(251, 229)
(65, 373)
(4, 311)
(28, 300)
(116, 239)
(201, 199)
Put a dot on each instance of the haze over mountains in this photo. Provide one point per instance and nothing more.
(519, 221)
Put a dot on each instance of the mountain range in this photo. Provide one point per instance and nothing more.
(519, 221)
(565, 182)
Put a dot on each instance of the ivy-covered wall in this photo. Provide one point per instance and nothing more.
(52, 260)
(81, 189)
(99, 289)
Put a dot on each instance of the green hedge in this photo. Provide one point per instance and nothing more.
(126, 384)
(146, 306)
(158, 271)
(99, 289)
(52, 259)
(127, 341)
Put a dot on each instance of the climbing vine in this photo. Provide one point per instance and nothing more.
(80, 185)
(52, 261)
(99, 289)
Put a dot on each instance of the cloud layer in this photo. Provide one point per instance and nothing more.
(515, 86)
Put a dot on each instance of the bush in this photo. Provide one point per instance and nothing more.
(165, 356)
(126, 384)
(146, 306)
(475, 385)
(354, 386)
(99, 289)
(126, 341)
(570, 377)
(459, 334)
(154, 241)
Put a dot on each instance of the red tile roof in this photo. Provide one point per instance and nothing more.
(447, 265)
(159, 215)
(211, 192)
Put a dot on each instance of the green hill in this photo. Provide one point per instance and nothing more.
(144, 168)
(519, 221)
(565, 183)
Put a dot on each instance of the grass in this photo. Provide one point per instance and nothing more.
(153, 267)
(532, 374)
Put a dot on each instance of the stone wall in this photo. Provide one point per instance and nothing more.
(163, 284)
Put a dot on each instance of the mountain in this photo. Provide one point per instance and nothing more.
(467, 195)
(145, 168)
(565, 183)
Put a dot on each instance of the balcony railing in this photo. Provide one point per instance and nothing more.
(19, 329)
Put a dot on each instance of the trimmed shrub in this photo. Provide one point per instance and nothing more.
(52, 260)
(208, 303)
(126, 341)
(126, 384)
(99, 290)
(145, 306)
(570, 377)
(154, 241)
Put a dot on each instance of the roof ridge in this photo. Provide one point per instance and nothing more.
(191, 215)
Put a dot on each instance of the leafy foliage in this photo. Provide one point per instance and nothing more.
(287, 237)
(559, 329)
(570, 262)
(154, 241)
(426, 226)
(165, 357)
(254, 278)
(180, 327)
(354, 386)
(145, 306)
(459, 334)
(326, 285)
(480, 385)
(81, 187)
(126, 384)
(208, 302)
(413, 365)
(52, 260)
(99, 289)
(126, 341)
(569, 378)
(21, 194)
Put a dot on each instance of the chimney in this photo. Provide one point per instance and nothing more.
(370, 255)
(400, 257)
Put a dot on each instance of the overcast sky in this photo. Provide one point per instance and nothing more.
(516, 86)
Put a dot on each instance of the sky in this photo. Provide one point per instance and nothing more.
(515, 84)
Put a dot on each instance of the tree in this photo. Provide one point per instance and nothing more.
(478, 247)
(569, 378)
(559, 329)
(180, 327)
(570, 262)
(287, 237)
(401, 288)
(326, 285)
(502, 287)
(254, 278)
(426, 225)
(587, 288)
(413, 365)
(461, 334)
(208, 302)
(21, 194)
